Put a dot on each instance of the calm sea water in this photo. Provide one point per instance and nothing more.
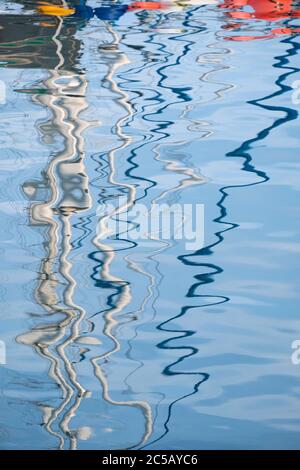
(112, 343)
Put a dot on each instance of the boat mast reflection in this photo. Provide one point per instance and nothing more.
(66, 180)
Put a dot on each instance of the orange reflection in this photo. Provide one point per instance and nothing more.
(147, 6)
(55, 10)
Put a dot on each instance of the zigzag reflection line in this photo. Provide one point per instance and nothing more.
(125, 297)
(66, 118)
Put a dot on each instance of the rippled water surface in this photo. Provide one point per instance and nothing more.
(112, 343)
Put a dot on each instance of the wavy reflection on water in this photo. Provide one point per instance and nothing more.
(66, 180)
(134, 109)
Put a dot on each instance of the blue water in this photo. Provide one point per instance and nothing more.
(147, 344)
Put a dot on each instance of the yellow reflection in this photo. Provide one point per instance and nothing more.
(55, 10)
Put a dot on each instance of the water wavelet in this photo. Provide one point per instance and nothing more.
(123, 296)
(66, 181)
(208, 277)
(163, 138)
(140, 342)
(159, 137)
(35, 42)
(244, 151)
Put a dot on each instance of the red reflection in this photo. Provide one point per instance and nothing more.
(147, 6)
(267, 10)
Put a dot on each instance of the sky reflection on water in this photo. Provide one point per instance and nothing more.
(149, 345)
